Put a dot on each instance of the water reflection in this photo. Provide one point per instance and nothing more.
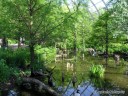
(12, 93)
(95, 87)
(84, 89)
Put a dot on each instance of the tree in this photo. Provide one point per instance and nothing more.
(4, 26)
(37, 20)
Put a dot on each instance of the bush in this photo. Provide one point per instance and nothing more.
(97, 71)
(21, 57)
(46, 55)
(118, 47)
(17, 58)
(7, 55)
(12, 41)
(4, 71)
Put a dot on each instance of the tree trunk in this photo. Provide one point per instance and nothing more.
(4, 42)
(39, 86)
(32, 54)
(19, 43)
(32, 57)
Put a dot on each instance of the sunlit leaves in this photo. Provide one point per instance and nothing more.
(121, 15)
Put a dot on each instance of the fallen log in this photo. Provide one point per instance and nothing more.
(37, 73)
(40, 87)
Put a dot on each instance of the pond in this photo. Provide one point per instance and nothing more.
(115, 82)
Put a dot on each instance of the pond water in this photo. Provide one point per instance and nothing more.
(115, 82)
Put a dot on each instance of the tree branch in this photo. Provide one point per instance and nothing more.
(41, 6)
(34, 4)
(49, 31)
(40, 87)
(38, 27)
(23, 18)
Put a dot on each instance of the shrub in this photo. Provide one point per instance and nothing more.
(17, 58)
(14, 71)
(12, 41)
(7, 55)
(96, 71)
(21, 57)
(4, 71)
(45, 54)
(116, 47)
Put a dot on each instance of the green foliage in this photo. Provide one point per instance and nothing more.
(11, 41)
(120, 11)
(18, 58)
(96, 71)
(98, 34)
(118, 47)
(21, 57)
(7, 55)
(15, 71)
(4, 71)
(46, 55)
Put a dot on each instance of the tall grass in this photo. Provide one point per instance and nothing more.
(96, 71)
